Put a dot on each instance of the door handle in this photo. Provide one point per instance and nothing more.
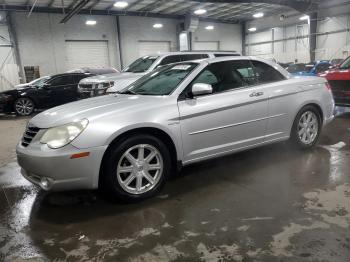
(256, 94)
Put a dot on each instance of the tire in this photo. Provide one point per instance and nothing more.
(24, 106)
(127, 176)
(306, 128)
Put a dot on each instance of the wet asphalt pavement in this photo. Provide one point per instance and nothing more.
(267, 204)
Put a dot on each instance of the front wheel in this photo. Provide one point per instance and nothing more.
(24, 106)
(136, 169)
(306, 128)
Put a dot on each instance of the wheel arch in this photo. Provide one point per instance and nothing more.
(154, 131)
(313, 104)
(26, 96)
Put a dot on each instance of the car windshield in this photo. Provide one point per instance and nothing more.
(162, 81)
(141, 65)
(39, 82)
(345, 64)
(309, 67)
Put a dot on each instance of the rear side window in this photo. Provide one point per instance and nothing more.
(170, 59)
(193, 57)
(77, 78)
(62, 80)
(223, 55)
(266, 73)
(182, 58)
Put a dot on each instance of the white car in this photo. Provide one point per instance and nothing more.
(100, 85)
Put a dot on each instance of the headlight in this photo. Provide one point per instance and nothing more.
(60, 136)
(105, 85)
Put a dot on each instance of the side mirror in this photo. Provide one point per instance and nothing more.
(201, 89)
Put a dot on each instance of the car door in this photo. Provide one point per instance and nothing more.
(41, 95)
(233, 117)
(61, 89)
(282, 103)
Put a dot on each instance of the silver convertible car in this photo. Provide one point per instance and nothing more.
(127, 144)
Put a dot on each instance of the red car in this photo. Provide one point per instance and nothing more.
(339, 80)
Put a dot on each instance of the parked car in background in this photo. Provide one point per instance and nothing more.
(45, 92)
(296, 68)
(336, 61)
(100, 85)
(95, 71)
(311, 69)
(339, 80)
(128, 144)
(285, 65)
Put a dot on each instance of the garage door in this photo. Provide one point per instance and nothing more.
(151, 48)
(87, 54)
(206, 45)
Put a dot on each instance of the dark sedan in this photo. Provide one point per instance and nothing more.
(43, 93)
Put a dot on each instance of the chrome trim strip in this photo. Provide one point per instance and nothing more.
(232, 125)
(220, 109)
(230, 107)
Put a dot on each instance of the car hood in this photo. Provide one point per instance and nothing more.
(21, 86)
(19, 89)
(337, 74)
(109, 77)
(121, 80)
(95, 108)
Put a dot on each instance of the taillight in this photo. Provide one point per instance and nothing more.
(328, 86)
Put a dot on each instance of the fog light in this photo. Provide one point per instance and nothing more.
(45, 183)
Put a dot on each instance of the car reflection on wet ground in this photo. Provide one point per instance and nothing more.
(267, 204)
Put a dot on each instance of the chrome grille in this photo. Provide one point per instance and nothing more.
(341, 85)
(29, 134)
(86, 87)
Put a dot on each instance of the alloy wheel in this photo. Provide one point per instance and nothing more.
(140, 169)
(308, 127)
(24, 106)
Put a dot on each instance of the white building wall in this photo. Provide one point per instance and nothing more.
(229, 36)
(274, 43)
(135, 29)
(333, 40)
(41, 38)
(9, 75)
(335, 45)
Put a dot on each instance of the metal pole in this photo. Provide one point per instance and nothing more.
(13, 39)
(313, 36)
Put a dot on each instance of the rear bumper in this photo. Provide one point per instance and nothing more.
(54, 170)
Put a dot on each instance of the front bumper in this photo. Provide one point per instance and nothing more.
(6, 107)
(54, 170)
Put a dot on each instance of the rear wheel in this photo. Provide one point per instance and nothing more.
(24, 106)
(136, 169)
(306, 128)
